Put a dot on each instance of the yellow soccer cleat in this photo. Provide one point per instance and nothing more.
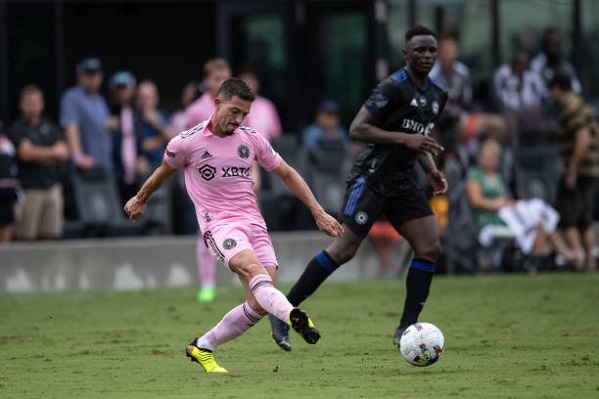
(302, 324)
(204, 357)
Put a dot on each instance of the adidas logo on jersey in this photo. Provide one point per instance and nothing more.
(414, 103)
(206, 155)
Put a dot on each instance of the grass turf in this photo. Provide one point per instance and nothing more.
(507, 336)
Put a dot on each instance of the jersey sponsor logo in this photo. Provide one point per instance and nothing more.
(243, 151)
(361, 218)
(206, 155)
(229, 243)
(207, 172)
(237, 171)
(170, 154)
(411, 125)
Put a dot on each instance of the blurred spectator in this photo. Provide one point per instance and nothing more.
(215, 72)
(85, 117)
(550, 60)
(516, 86)
(41, 151)
(129, 162)
(189, 94)
(263, 117)
(579, 148)
(326, 127)
(532, 223)
(454, 76)
(154, 123)
(10, 208)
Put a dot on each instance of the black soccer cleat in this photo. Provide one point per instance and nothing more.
(397, 336)
(280, 333)
(302, 324)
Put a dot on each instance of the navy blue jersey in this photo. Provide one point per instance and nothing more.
(399, 105)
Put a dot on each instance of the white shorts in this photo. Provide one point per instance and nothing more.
(227, 240)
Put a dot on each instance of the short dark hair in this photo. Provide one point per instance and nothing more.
(235, 87)
(561, 80)
(419, 30)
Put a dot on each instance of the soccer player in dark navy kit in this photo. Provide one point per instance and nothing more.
(395, 122)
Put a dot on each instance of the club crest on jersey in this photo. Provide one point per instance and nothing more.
(229, 243)
(243, 151)
(207, 172)
(435, 107)
(422, 101)
(361, 218)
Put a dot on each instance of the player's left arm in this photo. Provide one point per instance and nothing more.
(435, 177)
(299, 187)
(136, 206)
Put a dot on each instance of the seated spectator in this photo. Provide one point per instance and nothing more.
(263, 117)
(326, 126)
(41, 151)
(129, 161)
(532, 223)
(10, 207)
(85, 117)
(154, 123)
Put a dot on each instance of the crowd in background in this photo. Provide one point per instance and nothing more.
(124, 136)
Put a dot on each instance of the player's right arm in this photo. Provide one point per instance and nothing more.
(136, 206)
(364, 128)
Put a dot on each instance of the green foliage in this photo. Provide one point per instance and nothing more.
(507, 336)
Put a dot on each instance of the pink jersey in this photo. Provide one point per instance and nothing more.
(199, 110)
(264, 118)
(218, 173)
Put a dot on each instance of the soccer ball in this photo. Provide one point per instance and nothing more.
(422, 344)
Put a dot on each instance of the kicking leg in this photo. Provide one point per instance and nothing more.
(423, 237)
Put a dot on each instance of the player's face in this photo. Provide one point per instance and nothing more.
(230, 114)
(420, 53)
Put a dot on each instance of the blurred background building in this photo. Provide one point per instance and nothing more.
(303, 50)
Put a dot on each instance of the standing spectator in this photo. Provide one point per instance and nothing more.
(579, 148)
(550, 60)
(154, 122)
(455, 77)
(10, 207)
(189, 94)
(85, 117)
(216, 71)
(326, 126)
(41, 151)
(129, 161)
(518, 87)
(264, 117)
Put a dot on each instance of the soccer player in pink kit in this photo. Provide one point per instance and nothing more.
(216, 156)
(216, 71)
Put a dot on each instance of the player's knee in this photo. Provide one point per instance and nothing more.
(429, 252)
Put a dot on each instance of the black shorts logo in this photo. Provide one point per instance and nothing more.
(229, 243)
(361, 218)
(243, 151)
(207, 172)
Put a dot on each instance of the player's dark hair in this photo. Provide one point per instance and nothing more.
(235, 87)
(419, 30)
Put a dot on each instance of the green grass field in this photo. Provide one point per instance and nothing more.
(506, 336)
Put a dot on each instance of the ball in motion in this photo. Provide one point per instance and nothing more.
(422, 344)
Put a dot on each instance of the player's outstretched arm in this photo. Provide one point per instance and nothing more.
(136, 206)
(325, 222)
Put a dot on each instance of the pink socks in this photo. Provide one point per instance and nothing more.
(233, 324)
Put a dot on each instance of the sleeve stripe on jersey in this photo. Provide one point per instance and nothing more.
(372, 112)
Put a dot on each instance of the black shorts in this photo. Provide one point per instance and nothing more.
(576, 206)
(363, 206)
